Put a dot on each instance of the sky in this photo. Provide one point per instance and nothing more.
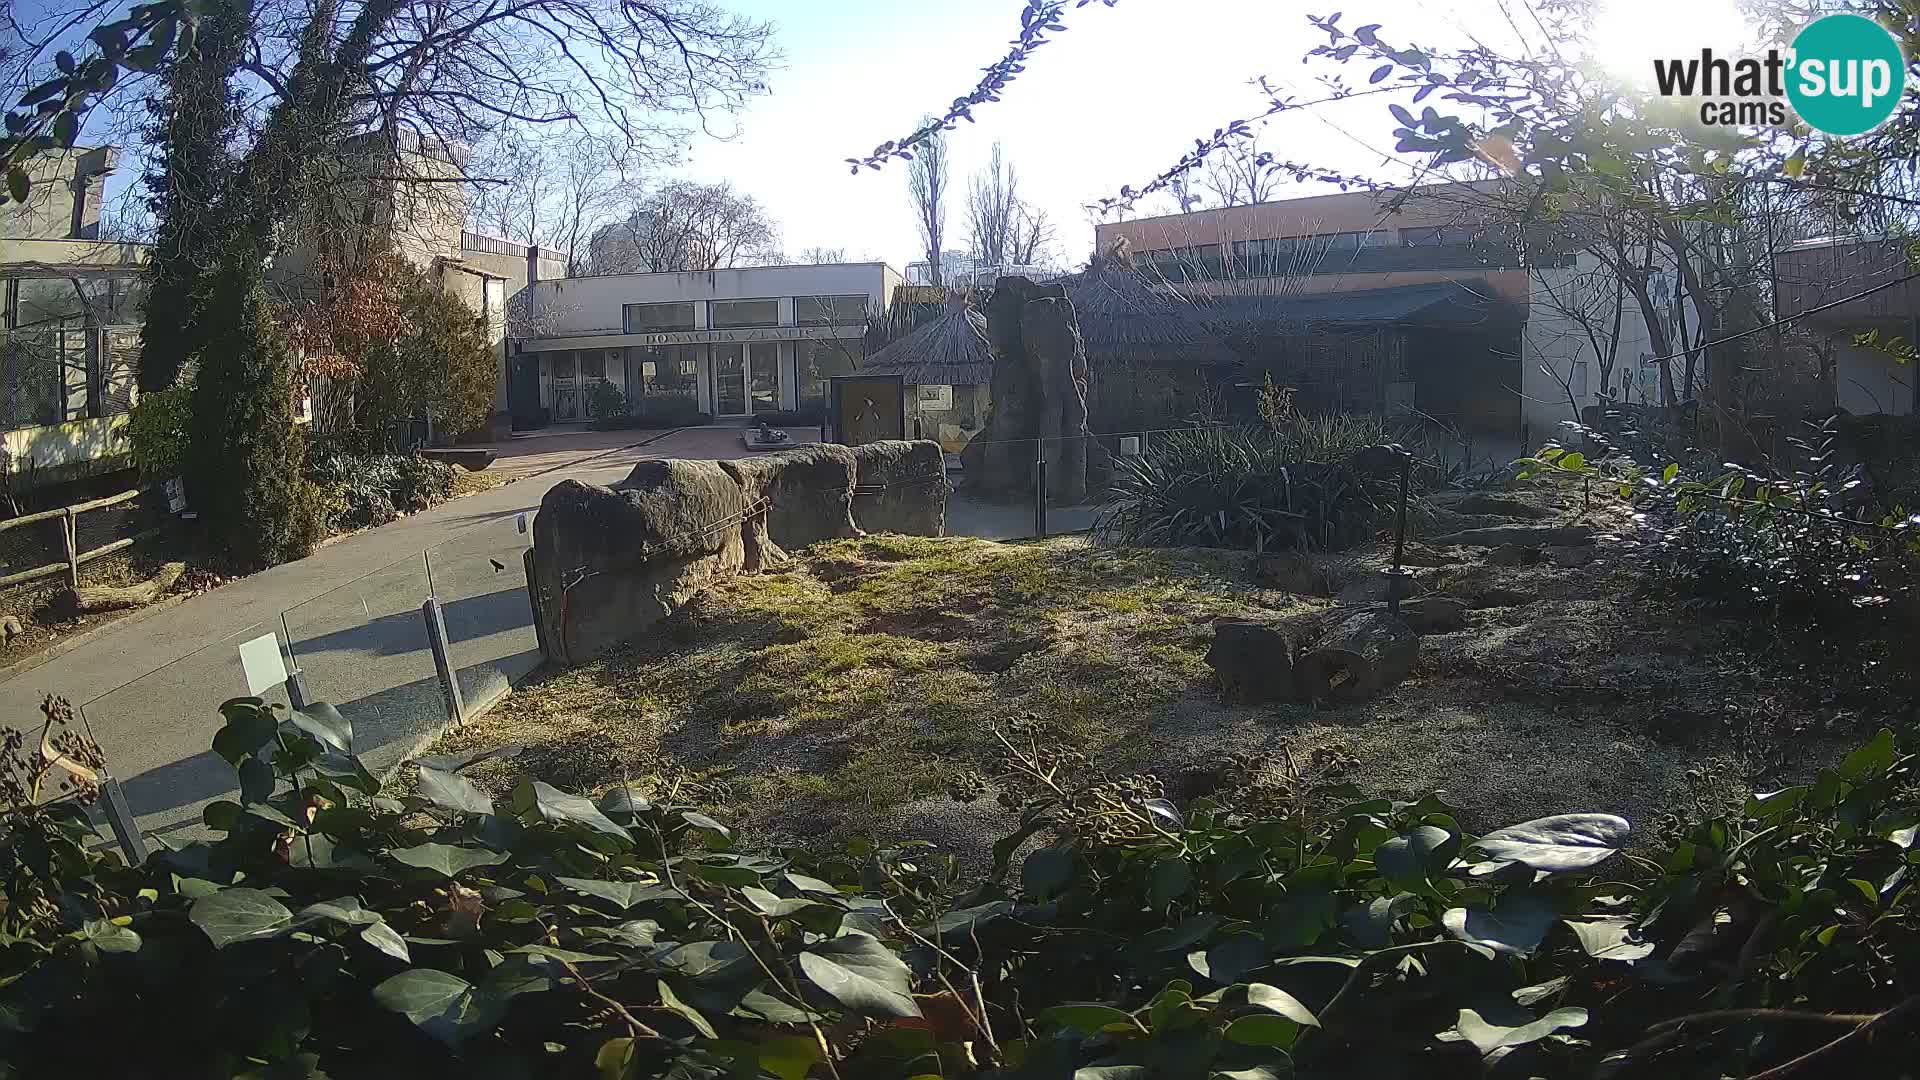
(1114, 100)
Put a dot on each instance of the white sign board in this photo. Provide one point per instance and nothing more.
(935, 398)
(176, 495)
(520, 524)
(261, 660)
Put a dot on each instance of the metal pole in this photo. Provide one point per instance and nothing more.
(120, 818)
(442, 666)
(1039, 487)
(1397, 577)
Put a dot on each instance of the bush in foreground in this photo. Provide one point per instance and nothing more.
(334, 929)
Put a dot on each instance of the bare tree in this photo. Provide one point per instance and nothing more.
(1239, 175)
(819, 256)
(684, 225)
(927, 181)
(1006, 230)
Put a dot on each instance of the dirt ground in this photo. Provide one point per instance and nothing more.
(852, 690)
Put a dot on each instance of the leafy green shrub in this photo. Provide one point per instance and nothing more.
(605, 400)
(373, 489)
(332, 928)
(157, 432)
(1251, 488)
(656, 412)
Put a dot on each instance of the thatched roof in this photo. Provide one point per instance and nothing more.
(949, 351)
(1121, 314)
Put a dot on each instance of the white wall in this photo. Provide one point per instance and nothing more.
(594, 304)
(1554, 339)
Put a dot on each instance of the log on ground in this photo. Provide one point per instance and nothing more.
(1358, 658)
(94, 599)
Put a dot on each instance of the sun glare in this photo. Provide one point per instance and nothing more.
(1628, 35)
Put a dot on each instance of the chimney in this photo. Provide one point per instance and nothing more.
(533, 263)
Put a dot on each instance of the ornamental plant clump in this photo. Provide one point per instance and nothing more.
(334, 928)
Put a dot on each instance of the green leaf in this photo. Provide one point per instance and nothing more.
(1047, 871)
(345, 910)
(1274, 999)
(1515, 925)
(1572, 462)
(1667, 474)
(1555, 844)
(612, 1059)
(702, 821)
(232, 915)
(1186, 932)
(811, 884)
(862, 974)
(1610, 939)
(453, 792)
(724, 874)
(104, 935)
(1871, 758)
(709, 962)
(1088, 1017)
(324, 722)
(388, 940)
(441, 1004)
(1775, 802)
(1529, 995)
(1113, 1072)
(1263, 1029)
(1495, 1041)
(623, 893)
(1229, 958)
(446, 860)
(1416, 855)
(790, 1057)
(691, 1014)
(1172, 877)
(557, 806)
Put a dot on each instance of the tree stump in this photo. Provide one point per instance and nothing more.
(1358, 658)
(1252, 660)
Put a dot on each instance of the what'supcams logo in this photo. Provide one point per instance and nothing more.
(1844, 76)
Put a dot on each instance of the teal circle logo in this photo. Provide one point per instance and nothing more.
(1846, 74)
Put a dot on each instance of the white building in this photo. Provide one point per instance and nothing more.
(736, 342)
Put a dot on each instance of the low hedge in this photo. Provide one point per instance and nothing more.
(332, 927)
(655, 412)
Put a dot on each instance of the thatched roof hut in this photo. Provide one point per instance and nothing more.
(949, 351)
(1122, 317)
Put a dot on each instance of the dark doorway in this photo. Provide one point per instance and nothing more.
(523, 393)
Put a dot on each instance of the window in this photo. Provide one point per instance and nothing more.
(666, 371)
(656, 318)
(1351, 241)
(723, 314)
(1439, 236)
(827, 310)
(1265, 258)
(593, 364)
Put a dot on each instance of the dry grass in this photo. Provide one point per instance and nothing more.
(845, 693)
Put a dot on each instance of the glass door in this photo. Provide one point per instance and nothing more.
(763, 363)
(566, 388)
(729, 381)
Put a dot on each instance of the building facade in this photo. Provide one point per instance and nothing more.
(1814, 274)
(736, 343)
(70, 316)
(1508, 356)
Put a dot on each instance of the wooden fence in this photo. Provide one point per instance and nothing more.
(71, 564)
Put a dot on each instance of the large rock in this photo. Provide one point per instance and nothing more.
(808, 492)
(900, 487)
(610, 562)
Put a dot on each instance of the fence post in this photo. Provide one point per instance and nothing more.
(1040, 487)
(120, 818)
(442, 665)
(73, 548)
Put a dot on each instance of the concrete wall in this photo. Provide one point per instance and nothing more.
(595, 305)
(65, 200)
(58, 453)
(1869, 381)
